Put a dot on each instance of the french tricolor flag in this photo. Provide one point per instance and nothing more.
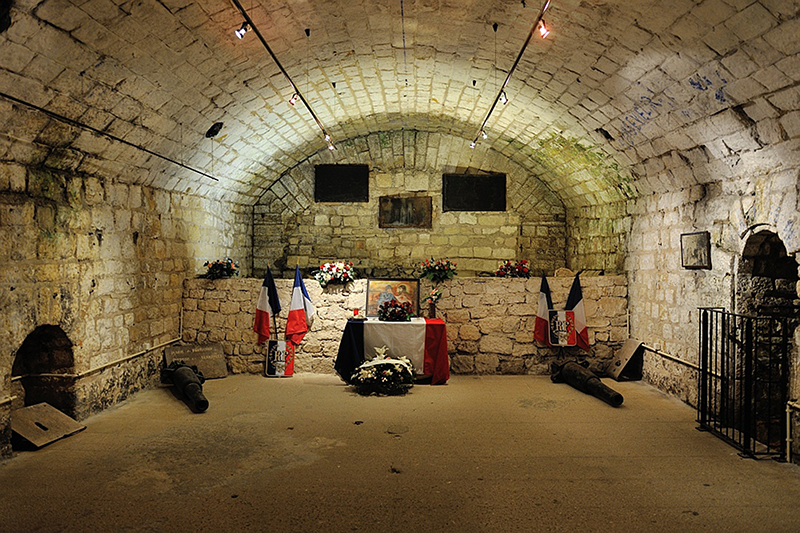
(541, 328)
(267, 308)
(575, 304)
(301, 311)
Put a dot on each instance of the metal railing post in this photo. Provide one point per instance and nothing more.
(747, 407)
(702, 404)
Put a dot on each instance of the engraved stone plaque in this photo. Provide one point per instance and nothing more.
(208, 358)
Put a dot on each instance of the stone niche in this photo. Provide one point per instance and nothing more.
(490, 321)
(767, 278)
(43, 370)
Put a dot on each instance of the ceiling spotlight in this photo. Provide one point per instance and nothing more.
(214, 130)
(543, 31)
(327, 138)
(293, 99)
(472, 144)
(503, 98)
(483, 134)
(241, 31)
(331, 147)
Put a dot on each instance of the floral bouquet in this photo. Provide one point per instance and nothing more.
(394, 311)
(387, 376)
(438, 270)
(511, 269)
(221, 269)
(433, 297)
(340, 272)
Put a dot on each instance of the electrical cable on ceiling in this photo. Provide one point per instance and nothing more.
(403, 23)
(295, 89)
(501, 95)
(77, 124)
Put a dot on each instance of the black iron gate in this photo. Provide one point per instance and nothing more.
(744, 376)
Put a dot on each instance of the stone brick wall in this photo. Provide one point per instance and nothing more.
(289, 228)
(103, 260)
(489, 320)
(664, 297)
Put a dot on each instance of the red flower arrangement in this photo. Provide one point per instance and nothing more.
(511, 269)
(438, 270)
(394, 311)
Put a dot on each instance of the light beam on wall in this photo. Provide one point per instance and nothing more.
(501, 94)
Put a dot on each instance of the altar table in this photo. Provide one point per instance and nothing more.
(422, 340)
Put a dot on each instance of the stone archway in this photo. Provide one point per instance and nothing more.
(43, 358)
(766, 288)
(767, 278)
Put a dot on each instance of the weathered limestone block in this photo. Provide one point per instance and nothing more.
(483, 311)
(611, 306)
(462, 364)
(486, 363)
(466, 347)
(524, 335)
(208, 305)
(469, 332)
(491, 324)
(492, 300)
(216, 335)
(512, 365)
(458, 316)
(523, 350)
(520, 309)
(471, 301)
(213, 320)
(618, 334)
(495, 343)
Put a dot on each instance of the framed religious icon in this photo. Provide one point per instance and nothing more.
(384, 290)
(405, 212)
(696, 250)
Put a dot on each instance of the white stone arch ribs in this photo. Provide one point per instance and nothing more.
(411, 153)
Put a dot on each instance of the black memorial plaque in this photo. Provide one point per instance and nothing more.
(473, 192)
(341, 183)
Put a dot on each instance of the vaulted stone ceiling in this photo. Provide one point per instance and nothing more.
(623, 98)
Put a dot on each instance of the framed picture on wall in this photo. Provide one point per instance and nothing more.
(696, 250)
(405, 212)
(383, 290)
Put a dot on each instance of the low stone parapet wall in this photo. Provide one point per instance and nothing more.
(490, 321)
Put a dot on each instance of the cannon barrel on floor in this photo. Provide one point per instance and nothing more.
(586, 381)
(189, 381)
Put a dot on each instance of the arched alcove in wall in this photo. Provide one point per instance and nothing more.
(44, 356)
(766, 288)
(767, 278)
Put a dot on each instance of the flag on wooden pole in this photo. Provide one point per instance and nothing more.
(575, 304)
(267, 308)
(301, 311)
(541, 328)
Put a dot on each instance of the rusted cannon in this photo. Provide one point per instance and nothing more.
(584, 380)
(189, 382)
